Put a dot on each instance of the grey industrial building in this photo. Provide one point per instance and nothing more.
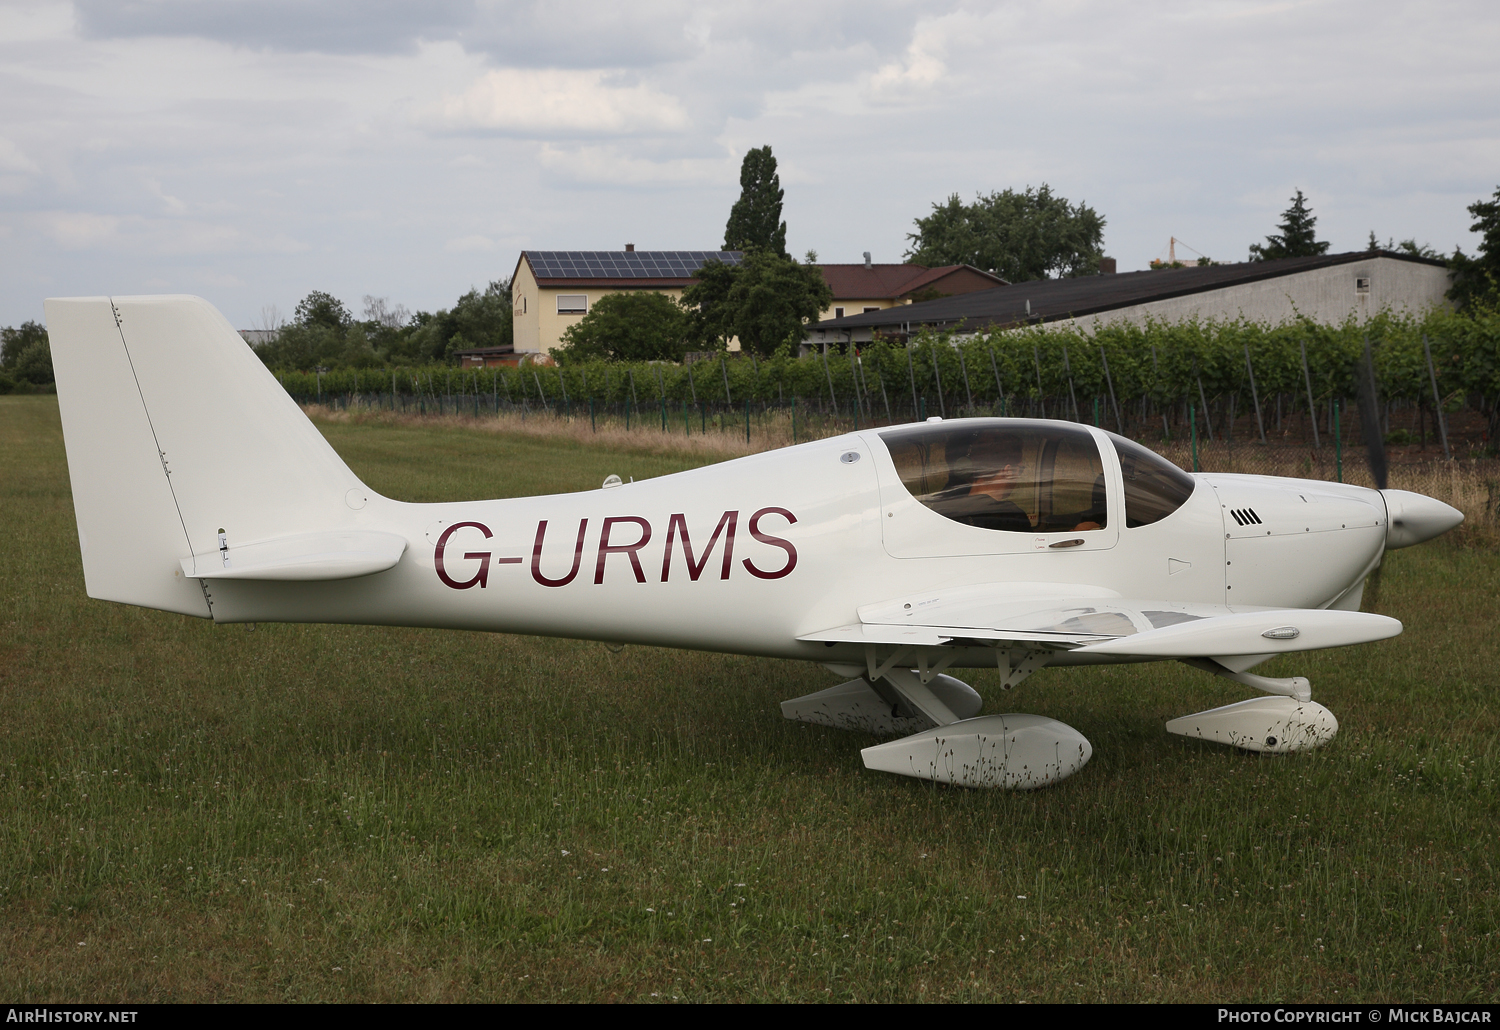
(1329, 289)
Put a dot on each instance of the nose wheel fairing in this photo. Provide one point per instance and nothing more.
(1278, 725)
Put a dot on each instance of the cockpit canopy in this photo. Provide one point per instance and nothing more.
(1029, 477)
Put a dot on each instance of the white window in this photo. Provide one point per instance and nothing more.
(868, 310)
(1362, 284)
(572, 303)
(838, 312)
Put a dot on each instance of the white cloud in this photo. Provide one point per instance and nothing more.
(922, 67)
(76, 230)
(397, 147)
(615, 166)
(144, 237)
(219, 280)
(469, 243)
(13, 160)
(553, 101)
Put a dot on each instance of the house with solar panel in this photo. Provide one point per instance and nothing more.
(553, 289)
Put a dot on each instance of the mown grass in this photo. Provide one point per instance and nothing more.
(343, 813)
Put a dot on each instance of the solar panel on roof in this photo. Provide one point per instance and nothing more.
(613, 264)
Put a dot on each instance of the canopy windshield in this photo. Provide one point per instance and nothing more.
(1012, 477)
(1154, 487)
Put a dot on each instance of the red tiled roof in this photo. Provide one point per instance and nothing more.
(856, 282)
(933, 275)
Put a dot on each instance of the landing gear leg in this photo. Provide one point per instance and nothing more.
(947, 740)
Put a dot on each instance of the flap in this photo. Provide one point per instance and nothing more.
(1063, 613)
(979, 605)
(932, 636)
(342, 554)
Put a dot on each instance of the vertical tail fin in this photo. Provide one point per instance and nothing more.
(176, 433)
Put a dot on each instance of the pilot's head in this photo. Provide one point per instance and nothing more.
(983, 454)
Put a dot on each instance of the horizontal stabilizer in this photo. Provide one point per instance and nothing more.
(302, 557)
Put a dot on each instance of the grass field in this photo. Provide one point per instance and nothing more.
(304, 813)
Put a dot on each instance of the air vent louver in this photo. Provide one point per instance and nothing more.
(1245, 516)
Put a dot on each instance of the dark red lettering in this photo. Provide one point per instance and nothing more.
(775, 541)
(536, 555)
(606, 548)
(695, 568)
(482, 577)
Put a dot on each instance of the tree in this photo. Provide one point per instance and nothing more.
(486, 319)
(634, 326)
(324, 333)
(14, 342)
(478, 319)
(35, 364)
(322, 310)
(711, 316)
(766, 300)
(755, 220)
(1033, 234)
(318, 335)
(1296, 238)
(1476, 280)
(25, 355)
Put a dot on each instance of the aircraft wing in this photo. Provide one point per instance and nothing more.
(1096, 621)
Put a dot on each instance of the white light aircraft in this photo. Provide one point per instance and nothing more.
(888, 556)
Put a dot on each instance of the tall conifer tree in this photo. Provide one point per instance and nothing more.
(1296, 238)
(755, 220)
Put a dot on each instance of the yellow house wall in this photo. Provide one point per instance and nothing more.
(856, 307)
(523, 299)
(539, 327)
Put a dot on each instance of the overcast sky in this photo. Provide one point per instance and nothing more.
(250, 151)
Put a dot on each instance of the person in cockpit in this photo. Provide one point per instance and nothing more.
(982, 475)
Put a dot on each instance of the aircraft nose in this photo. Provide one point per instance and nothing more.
(1416, 517)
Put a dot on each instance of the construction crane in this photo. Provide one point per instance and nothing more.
(1171, 259)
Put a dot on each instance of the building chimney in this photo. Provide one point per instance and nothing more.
(630, 248)
(867, 260)
(1106, 266)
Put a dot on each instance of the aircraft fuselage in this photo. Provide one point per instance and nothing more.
(747, 555)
